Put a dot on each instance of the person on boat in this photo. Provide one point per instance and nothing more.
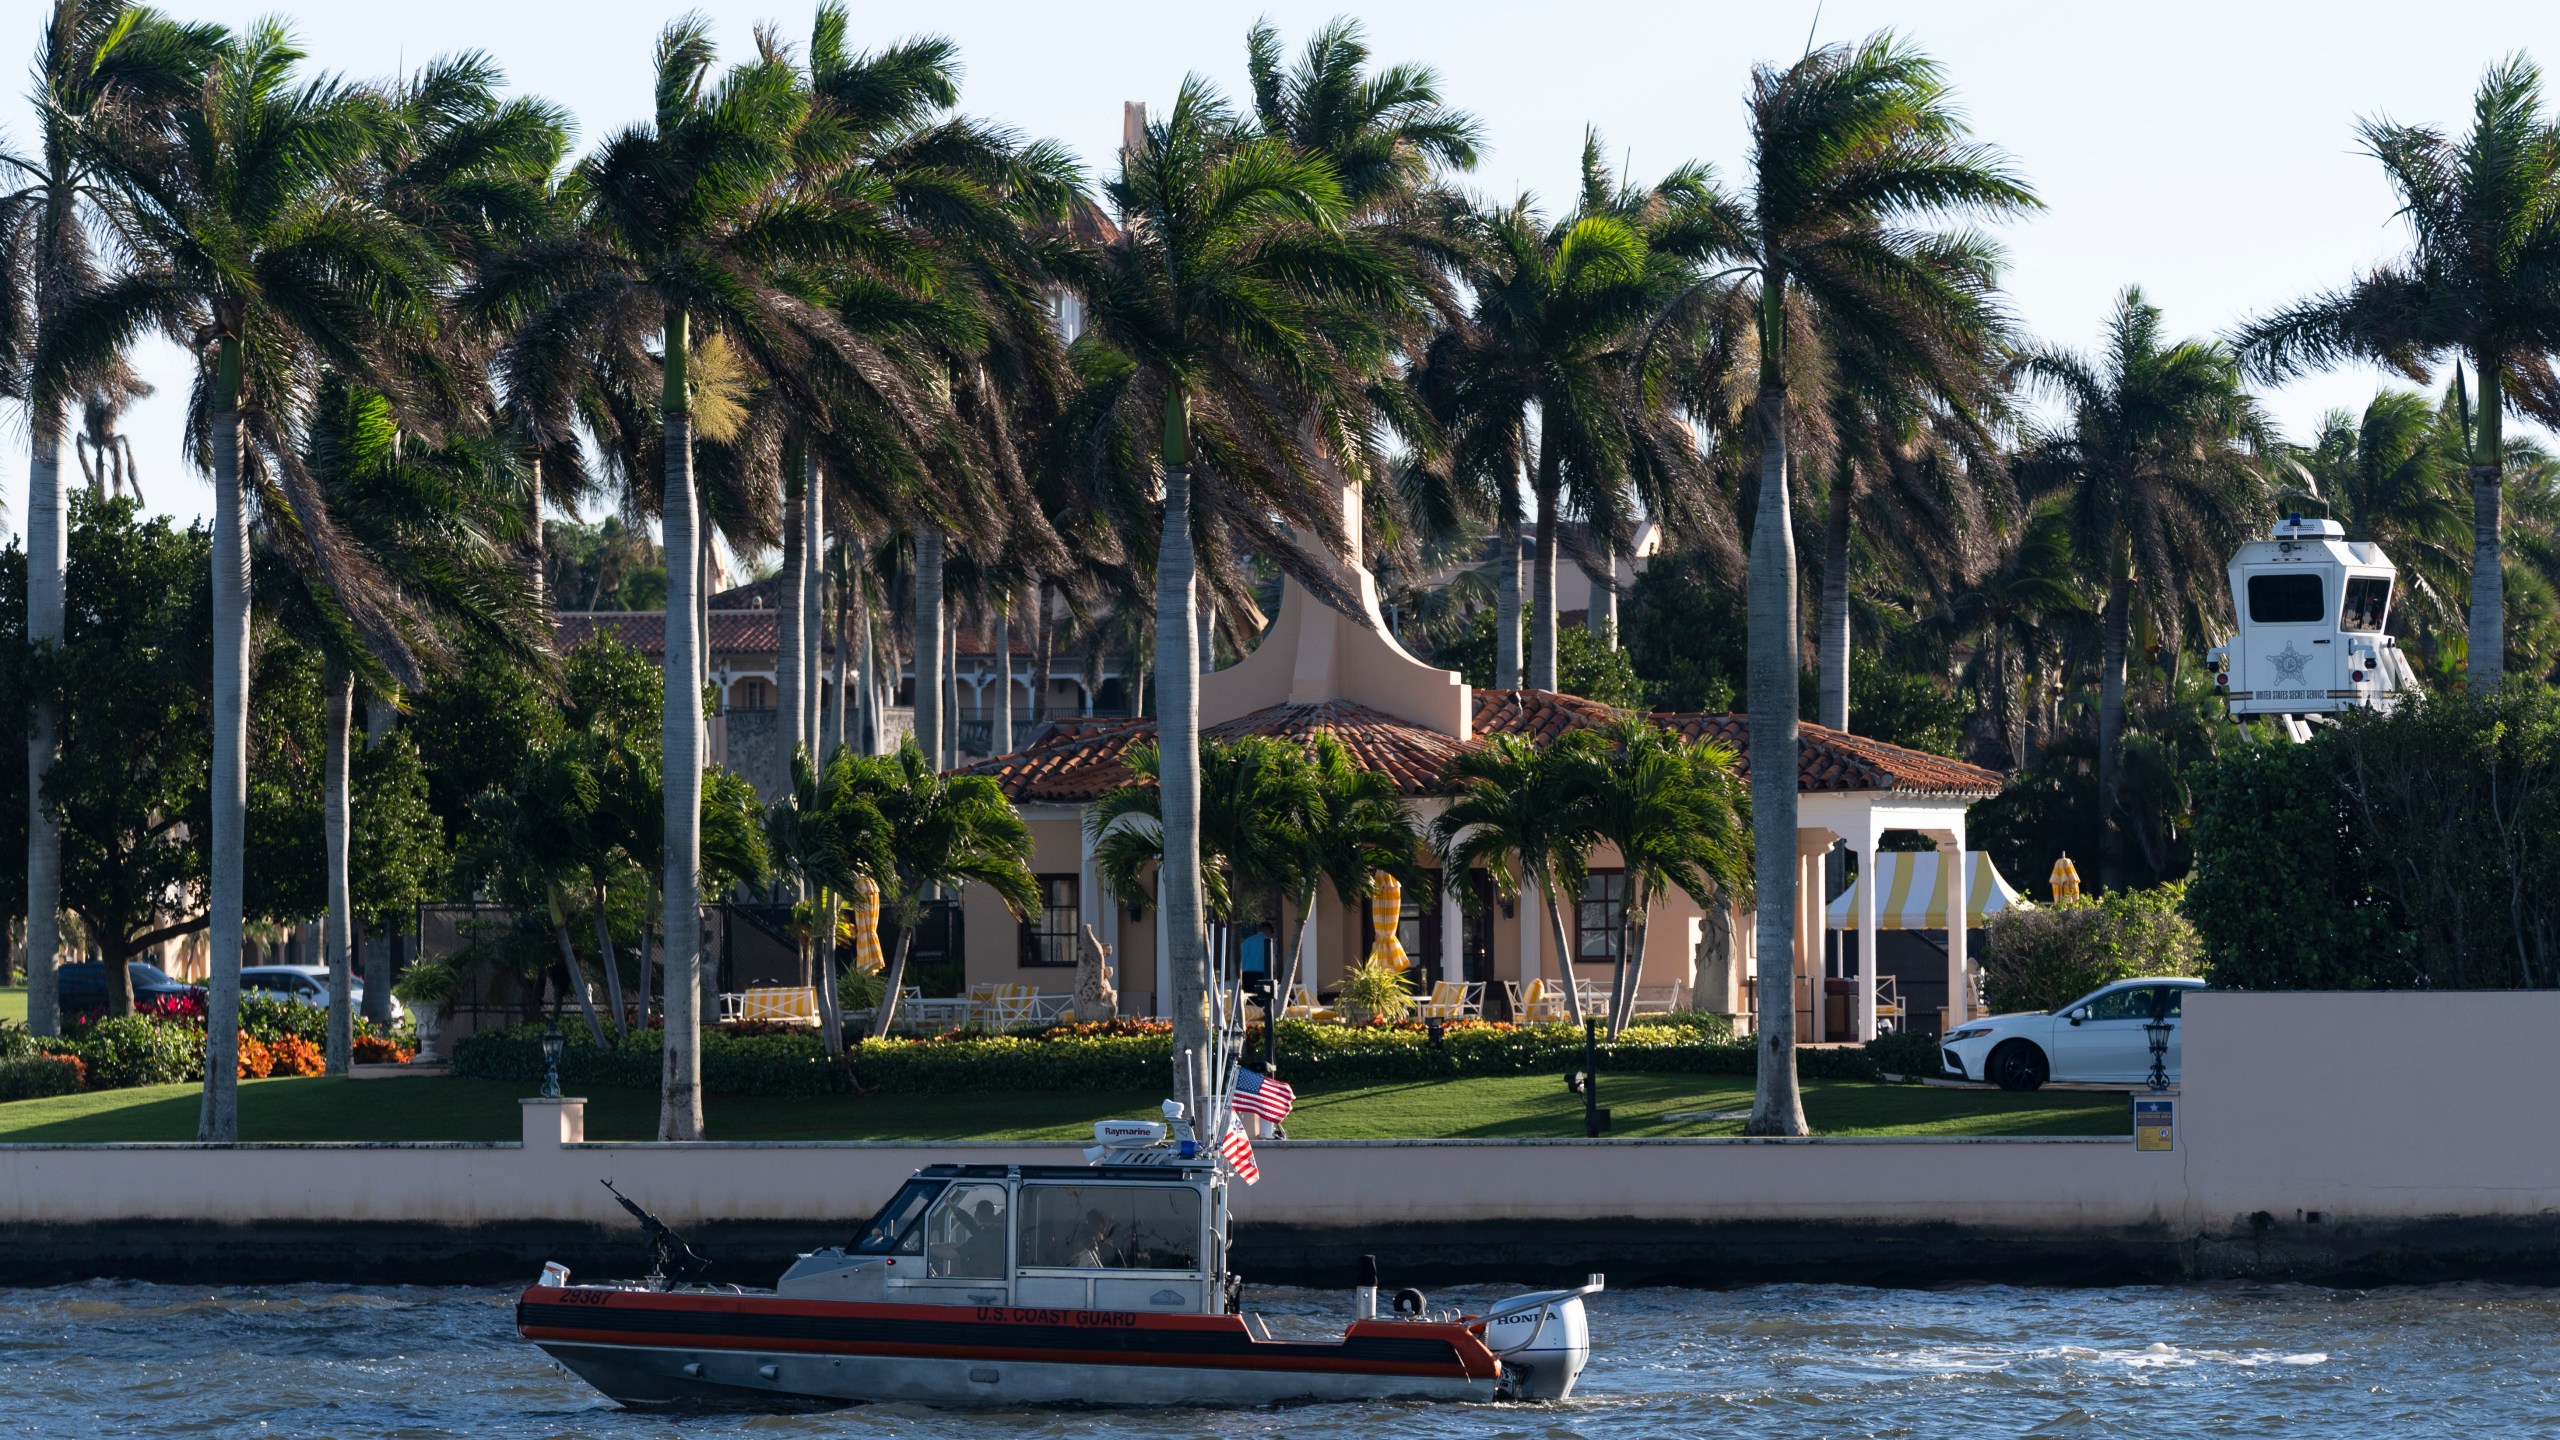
(1092, 1249)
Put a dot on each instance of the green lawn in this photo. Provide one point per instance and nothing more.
(13, 1004)
(452, 1109)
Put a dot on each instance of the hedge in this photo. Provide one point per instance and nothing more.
(33, 1077)
(1076, 1060)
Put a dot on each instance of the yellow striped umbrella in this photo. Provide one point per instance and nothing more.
(1913, 892)
(866, 924)
(1386, 912)
(2065, 880)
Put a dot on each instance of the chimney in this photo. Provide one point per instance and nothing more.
(1133, 124)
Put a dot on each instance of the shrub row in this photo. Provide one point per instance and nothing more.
(278, 1037)
(1075, 1058)
(33, 1077)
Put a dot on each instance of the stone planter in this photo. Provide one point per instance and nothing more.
(430, 1022)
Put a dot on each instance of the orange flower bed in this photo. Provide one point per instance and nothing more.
(293, 1055)
(256, 1061)
(374, 1050)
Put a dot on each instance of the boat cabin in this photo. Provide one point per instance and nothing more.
(2312, 605)
(1127, 1237)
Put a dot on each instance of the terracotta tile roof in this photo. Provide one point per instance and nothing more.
(1826, 760)
(1073, 761)
(733, 632)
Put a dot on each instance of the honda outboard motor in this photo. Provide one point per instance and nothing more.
(1543, 1340)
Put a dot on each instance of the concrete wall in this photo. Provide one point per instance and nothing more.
(2338, 1137)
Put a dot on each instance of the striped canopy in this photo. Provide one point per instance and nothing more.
(1915, 893)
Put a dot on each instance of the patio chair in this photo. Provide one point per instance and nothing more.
(1889, 1008)
(1535, 1005)
(1447, 1001)
(1302, 1006)
(1657, 999)
(1596, 996)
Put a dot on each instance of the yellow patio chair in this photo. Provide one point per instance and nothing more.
(791, 1004)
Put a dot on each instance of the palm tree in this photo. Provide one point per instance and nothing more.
(805, 835)
(2160, 452)
(1516, 806)
(1357, 825)
(2030, 584)
(260, 254)
(915, 830)
(2396, 475)
(1248, 318)
(1257, 797)
(1674, 811)
(1853, 150)
(2481, 283)
(107, 76)
(690, 217)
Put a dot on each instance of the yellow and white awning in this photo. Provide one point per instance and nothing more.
(1914, 896)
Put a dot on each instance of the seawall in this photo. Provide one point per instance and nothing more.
(2348, 1139)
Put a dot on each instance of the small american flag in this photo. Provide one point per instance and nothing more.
(1237, 1151)
(1261, 1095)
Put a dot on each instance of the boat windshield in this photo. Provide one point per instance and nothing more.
(899, 1228)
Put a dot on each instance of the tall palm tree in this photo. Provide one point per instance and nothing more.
(914, 831)
(1357, 826)
(1257, 797)
(2480, 283)
(107, 77)
(2398, 474)
(1243, 309)
(261, 254)
(2160, 450)
(1854, 149)
(2029, 586)
(1674, 812)
(1520, 810)
(690, 217)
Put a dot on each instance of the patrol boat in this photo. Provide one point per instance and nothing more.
(1103, 1284)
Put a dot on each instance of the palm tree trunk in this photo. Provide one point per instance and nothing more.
(1001, 720)
(885, 1013)
(1777, 1104)
(577, 972)
(48, 552)
(611, 964)
(839, 691)
(1621, 995)
(2488, 658)
(2111, 680)
(220, 1119)
(337, 931)
(1835, 602)
(1178, 743)
(1506, 611)
(1542, 622)
(1044, 652)
(789, 613)
(1565, 956)
(951, 691)
(680, 737)
(1601, 619)
(829, 1012)
(533, 530)
(812, 602)
(867, 656)
(929, 630)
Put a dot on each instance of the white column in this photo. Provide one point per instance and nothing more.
(1867, 888)
(1959, 963)
(1453, 931)
(1530, 922)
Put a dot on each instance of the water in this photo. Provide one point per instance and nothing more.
(114, 1359)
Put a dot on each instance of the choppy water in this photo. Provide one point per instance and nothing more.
(124, 1359)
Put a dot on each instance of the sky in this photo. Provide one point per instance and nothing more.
(2206, 152)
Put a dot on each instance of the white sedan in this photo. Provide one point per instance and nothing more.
(2098, 1038)
(307, 985)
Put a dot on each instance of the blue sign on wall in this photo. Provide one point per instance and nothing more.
(2155, 1122)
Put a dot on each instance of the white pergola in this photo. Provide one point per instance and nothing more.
(1860, 819)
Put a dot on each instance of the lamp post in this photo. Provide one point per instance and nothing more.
(553, 1042)
(2158, 1029)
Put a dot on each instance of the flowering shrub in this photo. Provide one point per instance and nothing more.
(131, 1050)
(33, 1076)
(256, 1061)
(379, 1050)
(17, 1042)
(293, 1055)
(187, 1006)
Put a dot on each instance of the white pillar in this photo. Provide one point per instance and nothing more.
(1959, 963)
(1867, 888)
(1453, 932)
(1530, 921)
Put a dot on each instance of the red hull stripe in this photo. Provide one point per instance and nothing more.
(1072, 1337)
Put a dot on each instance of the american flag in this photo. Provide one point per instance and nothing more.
(1261, 1095)
(1237, 1151)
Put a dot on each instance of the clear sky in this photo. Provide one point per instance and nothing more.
(2204, 151)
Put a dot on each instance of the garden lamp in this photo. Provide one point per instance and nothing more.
(553, 1043)
(2158, 1030)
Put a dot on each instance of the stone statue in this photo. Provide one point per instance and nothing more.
(1096, 1000)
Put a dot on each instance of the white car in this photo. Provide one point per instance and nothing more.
(308, 984)
(2098, 1038)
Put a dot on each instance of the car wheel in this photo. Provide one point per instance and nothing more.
(2018, 1065)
